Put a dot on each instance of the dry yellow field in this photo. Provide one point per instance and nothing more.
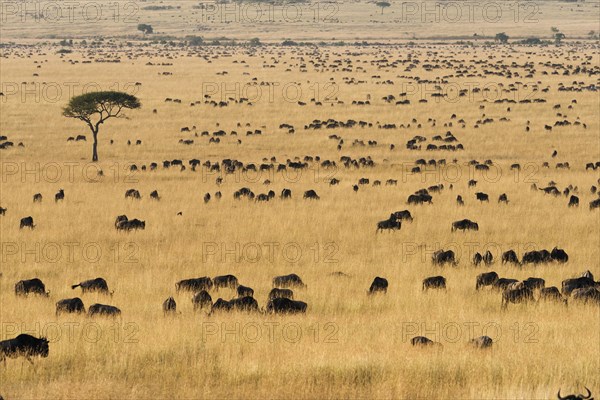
(348, 344)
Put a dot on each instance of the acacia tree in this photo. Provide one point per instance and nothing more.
(382, 5)
(501, 37)
(96, 107)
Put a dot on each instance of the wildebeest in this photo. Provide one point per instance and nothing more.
(503, 283)
(74, 305)
(594, 204)
(286, 194)
(246, 303)
(133, 194)
(201, 299)
(288, 281)
(93, 285)
(477, 258)
(27, 286)
(482, 196)
(420, 198)
(194, 284)
(3, 211)
(37, 198)
(27, 222)
(464, 225)
(311, 194)
(225, 281)
(277, 293)
(510, 257)
(154, 195)
(442, 257)
(585, 295)
(537, 257)
(119, 219)
(129, 224)
(486, 279)
(488, 258)
(482, 342)
(517, 295)
(284, 305)
(403, 215)
(534, 283)
(588, 396)
(221, 305)
(169, 306)
(434, 282)
(568, 285)
(573, 201)
(559, 255)
(103, 310)
(459, 200)
(423, 341)
(503, 198)
(389, 224)
(244, 291)
(59, 196)
(379, 285)
(550, 294)
(24, 345)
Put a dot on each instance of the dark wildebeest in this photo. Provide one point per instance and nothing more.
(537, 257)
(246, 303)
(37, 198)
(154, 195)
(74, 305)
(477, 258)
(510, 257)
(221, 305)
(27, 222)
(442, 257)
(434, 282)
(389, 224)
(550, 293)
(503, 198)
(486, 279)
(482, 342)
(568, 285)
(288, 281)
(245, 291)
(311, 194)
(103, 310)
(225, 281)
(59, 196)
(594, 204)
(119, 219)
(169, 306)
(35, 286)
(559, 255)
(131, 224)
(534, 283)
(459, 200)
(206, 198)
(519, 294)
(488, 258)
(201, 299)
(276, 293)
(93, 285)
(3, 211)
(588, 396)
(423, 341)
(23, 345)
(589, 294)
(464, 225)
(194, 284)
(503, 283)
(379, 285)
(286, 194)
(133, 193)
(420, 198)
(403, 215)
(573, 201)
(482, 196)
(283, 305)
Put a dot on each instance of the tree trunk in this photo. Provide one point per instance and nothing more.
(95, 147)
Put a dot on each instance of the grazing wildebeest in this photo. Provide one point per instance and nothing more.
(221, 305)
(442, 257)
(133, 193)
(486, 279)
(477, 258)
(464, 225)
(482, 196)
(589, 294)
(559, 255)
(246, 303)
(288, 281)
(154, 195)
(206, 198)
(568, 285)
(503, 198)
(534, 283)
(588, 396)
(277, 293)
(194, 284)
(550, 293)
(434, 282)
(59, 196)
(488, 258)
(537, 257)
(379, 285)
(37, 198)
(423, 341)
(286, 194)
(93, 285)
(169, 306)
(311, 194)
(503, 283)
(225, 281)
(119, 220)
(74, 305)
(482, 342)
(420, 198)
(573, 201)
(131, 224)
(519, 294)
(403, 215)
(459, 200)
(35, 286)
(510, 257)
(24, 345)
(389, 224)
(284, 305)
(103, 310)
(27, 222)
(245, 291)
(201, 299)
(594, 204)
